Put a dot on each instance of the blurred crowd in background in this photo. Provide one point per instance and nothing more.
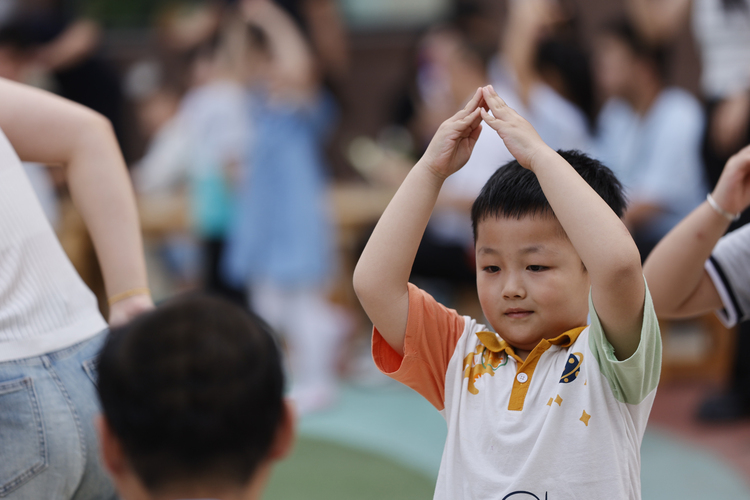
(265, 137)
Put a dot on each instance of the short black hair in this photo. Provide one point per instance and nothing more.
(655, 53)
(514, 192)
(194, 391)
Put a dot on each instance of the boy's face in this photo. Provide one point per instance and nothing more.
(530, 279)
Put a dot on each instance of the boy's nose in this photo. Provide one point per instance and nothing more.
(513, 288)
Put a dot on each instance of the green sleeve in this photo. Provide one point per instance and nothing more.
(634, 378)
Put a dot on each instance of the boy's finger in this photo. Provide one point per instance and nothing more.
(483, 103)
(474, 101)
(489, 119)
(477, 117)
(474, 136)
(494, 101)
(471, 105)
(469, 120)
(473, 118)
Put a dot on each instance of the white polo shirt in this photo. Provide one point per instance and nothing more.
(566, 423)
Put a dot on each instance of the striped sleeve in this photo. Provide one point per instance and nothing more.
(729, 269)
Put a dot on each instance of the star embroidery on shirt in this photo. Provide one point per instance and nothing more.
(585, 418)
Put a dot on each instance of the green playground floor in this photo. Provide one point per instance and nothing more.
(385, 442)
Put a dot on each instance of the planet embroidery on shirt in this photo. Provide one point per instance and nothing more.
(572, 368)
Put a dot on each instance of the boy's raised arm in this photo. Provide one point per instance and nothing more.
(382, 273)
(679, 284)
(600, 238)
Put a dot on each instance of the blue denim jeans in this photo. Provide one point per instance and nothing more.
(48, 445)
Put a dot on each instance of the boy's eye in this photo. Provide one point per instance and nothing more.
(490, 269)
(536, 269)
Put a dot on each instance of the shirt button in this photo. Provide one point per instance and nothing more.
(522, 377)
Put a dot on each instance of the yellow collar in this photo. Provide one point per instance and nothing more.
(493, 342)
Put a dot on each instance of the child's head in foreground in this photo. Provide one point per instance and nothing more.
(531, 282)
(192, 401)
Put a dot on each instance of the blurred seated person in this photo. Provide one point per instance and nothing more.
(542, 72)
(192, 403)
(648, 133)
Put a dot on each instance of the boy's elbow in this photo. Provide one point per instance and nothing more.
(369, 289)
(361, 283)
(626, 267)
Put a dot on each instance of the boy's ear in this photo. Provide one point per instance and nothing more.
(286, 433)
(110, 448)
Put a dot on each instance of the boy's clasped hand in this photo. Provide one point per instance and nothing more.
(454, 141)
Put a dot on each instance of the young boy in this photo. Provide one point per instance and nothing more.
(547, 406)
(192, 402)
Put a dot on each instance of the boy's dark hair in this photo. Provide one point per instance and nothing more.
(655, 53)
(194, 392)
(514, 192)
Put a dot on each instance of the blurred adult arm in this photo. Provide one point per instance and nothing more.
(76, 43)
(292, 61)
(679, 284)
(47, 129)
(329, 37)
(527, 22)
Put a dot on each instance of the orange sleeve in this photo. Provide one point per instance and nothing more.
(432, 332)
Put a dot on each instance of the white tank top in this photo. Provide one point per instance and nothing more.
(44, 304)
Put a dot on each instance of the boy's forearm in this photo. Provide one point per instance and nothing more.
(382, 273)
(674, 269)
(605, 246)
(597, 233)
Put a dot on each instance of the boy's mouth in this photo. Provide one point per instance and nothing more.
(518, 313)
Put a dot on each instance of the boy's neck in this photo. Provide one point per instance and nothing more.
(522, 353)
